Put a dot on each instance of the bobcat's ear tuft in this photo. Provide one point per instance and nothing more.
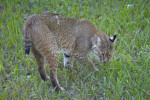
(112, 39)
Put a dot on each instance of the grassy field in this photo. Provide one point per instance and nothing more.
(126, 77)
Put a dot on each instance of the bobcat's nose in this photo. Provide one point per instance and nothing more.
(103, 61)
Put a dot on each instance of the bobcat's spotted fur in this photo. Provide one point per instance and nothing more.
(47, 34)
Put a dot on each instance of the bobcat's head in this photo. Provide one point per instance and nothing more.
(103, 47)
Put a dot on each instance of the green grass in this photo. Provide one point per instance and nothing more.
(126, 77)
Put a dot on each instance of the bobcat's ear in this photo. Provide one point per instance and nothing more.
(95, 40)
(112, 39)
(94, 48)
(98, 40)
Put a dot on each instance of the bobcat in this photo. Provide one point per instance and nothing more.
(47, 34)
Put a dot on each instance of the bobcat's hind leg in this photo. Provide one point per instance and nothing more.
(52, 59)
(40, 61)
(47, 46)
(68, 61)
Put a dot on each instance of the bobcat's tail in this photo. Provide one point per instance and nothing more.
(27, 48)
(27, 37)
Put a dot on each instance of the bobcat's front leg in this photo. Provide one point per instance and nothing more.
(83, 58)
(68, 61)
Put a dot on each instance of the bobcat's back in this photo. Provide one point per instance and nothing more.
(66, 32)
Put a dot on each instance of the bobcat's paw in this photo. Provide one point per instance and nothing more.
(62, 89)
(47, 78)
